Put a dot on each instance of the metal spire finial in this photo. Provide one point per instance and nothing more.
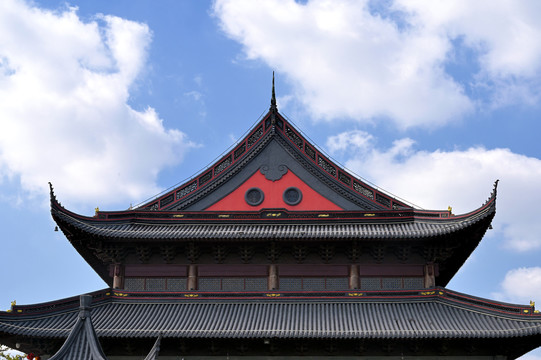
(273, 99)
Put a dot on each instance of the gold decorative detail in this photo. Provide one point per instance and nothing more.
(178, 216)
(119, 294)
(97, 209)
(532, 303)
(191, 295)
(224, 215)
(273, 295)
(323, 215)
(13, 303)
(355, 294)
(19, 311)
(9, 310)
(428, 293)
(536, 312)
(274, 214)
(440, 292)
(370, 214)
(107, 294)
(450, 208)
(526, 311)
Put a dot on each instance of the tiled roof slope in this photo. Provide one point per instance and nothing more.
(424, 314)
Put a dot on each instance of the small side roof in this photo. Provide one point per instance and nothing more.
(82, 342)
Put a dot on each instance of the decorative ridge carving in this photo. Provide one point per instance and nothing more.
(494, 192)
(51, 194)
(53, 199)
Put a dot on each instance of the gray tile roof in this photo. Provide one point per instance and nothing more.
(437, 313)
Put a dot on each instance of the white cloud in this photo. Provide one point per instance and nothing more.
(356, 140)
(195, 95)
(348, 59)
(521, 285)
(460, 178)
(507, 31)
(64, 87)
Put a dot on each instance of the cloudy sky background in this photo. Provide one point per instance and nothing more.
(114, 102)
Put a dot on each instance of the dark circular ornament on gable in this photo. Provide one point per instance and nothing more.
(254, 196)
(292, 196)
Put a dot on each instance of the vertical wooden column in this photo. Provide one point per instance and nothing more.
(430, 276)
(192, 277)
(273, 277)
(353, 276)
(118, 276)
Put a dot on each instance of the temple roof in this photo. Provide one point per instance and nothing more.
(425, 314)
(274, 182)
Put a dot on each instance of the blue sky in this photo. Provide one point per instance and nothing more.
(115, 101)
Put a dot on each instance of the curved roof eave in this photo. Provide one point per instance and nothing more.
(275, 223)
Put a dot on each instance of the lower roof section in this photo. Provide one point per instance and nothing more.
(435, 313)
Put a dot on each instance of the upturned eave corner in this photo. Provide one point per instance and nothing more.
(54, 202)
(489, 206)
(486, 209)
(492, 197)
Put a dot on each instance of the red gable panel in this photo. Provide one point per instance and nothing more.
(273, 195)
